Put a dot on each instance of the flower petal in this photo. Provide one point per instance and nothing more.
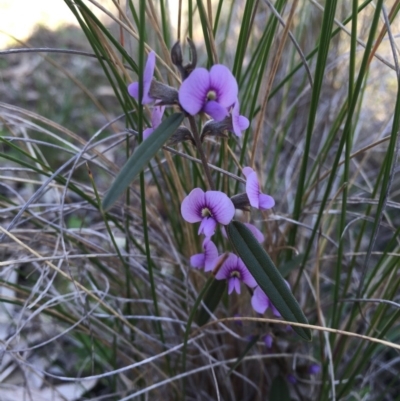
(156, 116)
(259, 301)
(245, 275)
(239, 123)
(253, 189)
(220, 205)
(197, 261)
(247, 171)
(210, 254)
(266, 202)
(147, 132)
(231, 285)
(192, 205)
(207, 226)
(224, 83)
(133, 90)
(215, 110)
(236, 282)
(274, 310)
(256, 232)
(148, 74)
(193, 91)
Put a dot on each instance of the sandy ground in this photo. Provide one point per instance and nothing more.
(20, 18)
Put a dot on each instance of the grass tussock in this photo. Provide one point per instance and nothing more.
(103, 304)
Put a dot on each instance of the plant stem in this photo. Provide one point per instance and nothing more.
(199, 147)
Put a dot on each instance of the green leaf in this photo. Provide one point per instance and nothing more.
(142, 155)
(279, 390)
(211, 300)
(267, 276)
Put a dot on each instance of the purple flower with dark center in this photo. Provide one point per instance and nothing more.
(207, 259)
(235, 271)
(212, 92)
(256, 198)
(156, 117)
(148, 73)
(260, 302)
(209, 207)
(239, 123)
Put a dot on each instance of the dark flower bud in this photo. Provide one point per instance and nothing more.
(241, 201)
(177, 59)
(216, 128)
(176, 54)
(164, 93)
(193, 57)
(181, 134)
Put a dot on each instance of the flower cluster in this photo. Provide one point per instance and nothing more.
(212, 93)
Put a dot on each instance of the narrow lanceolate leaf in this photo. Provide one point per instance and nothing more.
(140, 158)
(267, 276)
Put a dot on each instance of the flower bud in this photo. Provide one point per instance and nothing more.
(215, 128)
(164, 93)
(241, 201)
(176, 54)
(177, 58)
(181, 134)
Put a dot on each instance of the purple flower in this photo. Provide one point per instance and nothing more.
(239, 123)
(209, 207)
(291, 378)
(256, 198)
(314, 369)
(156, 117)
(268, 340)
(235, 271)
(260, 302)
(207, 259)
(212, 92)
(148, 73)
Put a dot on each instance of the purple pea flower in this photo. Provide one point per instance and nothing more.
(156, 117)
(239, 123)
(235, 271)
(207, 259)
(260, 302)
(133, 88)
(256, 198)
(212, 92)
(209, 207)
